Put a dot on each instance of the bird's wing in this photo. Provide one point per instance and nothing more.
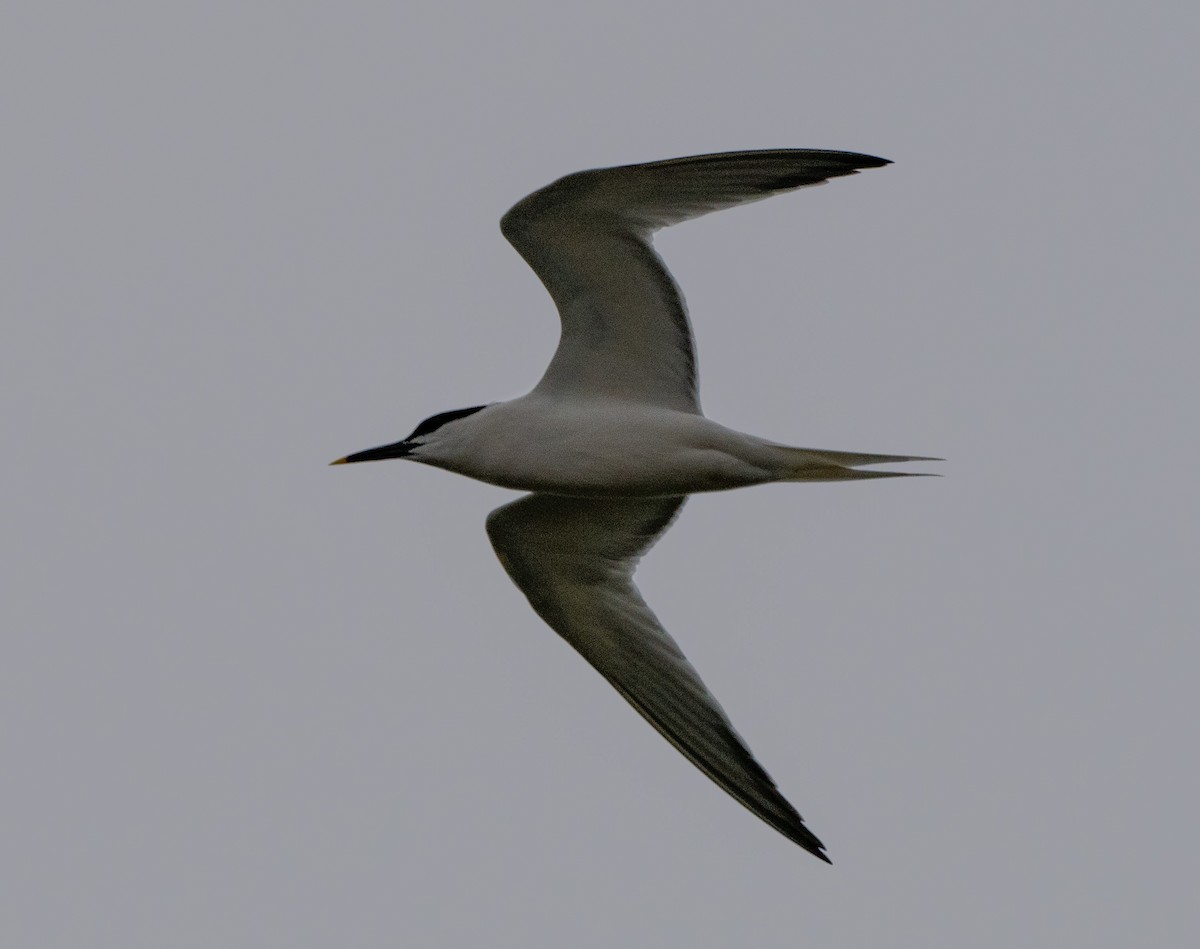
(625, 331)
(574, 559)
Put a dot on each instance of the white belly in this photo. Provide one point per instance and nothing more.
(599, 449)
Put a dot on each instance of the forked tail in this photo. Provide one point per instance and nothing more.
(814, 464)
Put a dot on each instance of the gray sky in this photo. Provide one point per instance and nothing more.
(249, 700)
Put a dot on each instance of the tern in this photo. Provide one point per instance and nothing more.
(611, 440)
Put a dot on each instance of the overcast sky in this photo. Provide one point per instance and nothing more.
(250, 700)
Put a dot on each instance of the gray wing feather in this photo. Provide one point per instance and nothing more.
(574, 559)
(625, 330)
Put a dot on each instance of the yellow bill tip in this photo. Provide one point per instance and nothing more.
(340, 461)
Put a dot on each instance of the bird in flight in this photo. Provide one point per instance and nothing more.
(611, 440)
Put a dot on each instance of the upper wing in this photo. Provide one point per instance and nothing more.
(574, 559)
(625, 331)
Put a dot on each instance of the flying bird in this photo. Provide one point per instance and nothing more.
(611, 440)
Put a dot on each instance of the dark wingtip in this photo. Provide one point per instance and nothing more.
(837, 165)
(809, 841)
(798, 833)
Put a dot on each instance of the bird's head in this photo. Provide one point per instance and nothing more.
(427, 434)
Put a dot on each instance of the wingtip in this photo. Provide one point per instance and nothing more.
(809, 841)
(798, 833)
(861, 160)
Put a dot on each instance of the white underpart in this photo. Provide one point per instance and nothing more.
(600, 447)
